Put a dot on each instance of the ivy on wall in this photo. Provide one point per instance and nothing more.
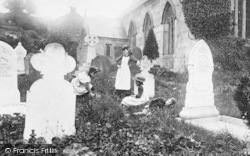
(207, 19)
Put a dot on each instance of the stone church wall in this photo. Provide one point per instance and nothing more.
(183, 39)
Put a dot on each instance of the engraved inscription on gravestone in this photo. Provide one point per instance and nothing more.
(4, 68)
(8, 77)
(199, 101)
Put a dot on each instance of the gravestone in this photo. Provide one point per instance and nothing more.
(149, 83)
(21, 53)
(9, 92)
(133, 67)
(91, 41)
(137, 53)
(103, 64)
(51, 100)
(199, 102)
(118, 51)
(32, 73)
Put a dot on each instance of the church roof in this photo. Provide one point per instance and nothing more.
(104, 27)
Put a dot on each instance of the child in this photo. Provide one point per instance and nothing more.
(82, 82)
(140, 98)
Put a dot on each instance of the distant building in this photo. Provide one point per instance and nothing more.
(111, 34)
(174, 38)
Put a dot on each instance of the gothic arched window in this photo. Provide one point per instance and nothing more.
(132, 35)
(168, 21)
(148, 24)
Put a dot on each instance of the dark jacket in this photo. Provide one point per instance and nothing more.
(131, 59)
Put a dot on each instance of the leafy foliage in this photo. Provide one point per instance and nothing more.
(65, 40)
(151, 46)
(242, 97)
(230, 54)
(207, 19)
(20, 6)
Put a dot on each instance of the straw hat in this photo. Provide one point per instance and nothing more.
(139, 78)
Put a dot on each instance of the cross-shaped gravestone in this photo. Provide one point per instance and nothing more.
(51, 99)
(91, 42)
(21, 53)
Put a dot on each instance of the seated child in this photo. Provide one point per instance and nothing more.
(82, 82)
(140, 98)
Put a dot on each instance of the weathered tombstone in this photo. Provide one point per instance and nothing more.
(137, 53)
(149, 84)
(51, 100)
(199, 101)
(21, 53)
(9, 92)
(118, 51)
(103, 64)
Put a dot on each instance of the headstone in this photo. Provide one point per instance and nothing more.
(21, 53)
(91, 53)
(91, 41)
(118, 51)
(103, 64)
(51, 100)
(149, 83)
(199, 102)
(137, 53)
(9, 92)
(32, 73)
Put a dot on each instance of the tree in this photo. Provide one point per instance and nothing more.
(151, 46)
(20, 6)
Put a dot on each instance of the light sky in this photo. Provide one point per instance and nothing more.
(57, 8)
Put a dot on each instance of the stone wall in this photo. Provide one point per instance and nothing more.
(183, 39)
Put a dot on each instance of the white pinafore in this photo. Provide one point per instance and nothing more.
(123, 76)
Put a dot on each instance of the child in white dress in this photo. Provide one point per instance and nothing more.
(140, 98)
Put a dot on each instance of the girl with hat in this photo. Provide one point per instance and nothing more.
(82, 82)
(140, 98)
(84, 90)
(123, 76)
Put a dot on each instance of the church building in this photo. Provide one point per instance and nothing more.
(165, 17)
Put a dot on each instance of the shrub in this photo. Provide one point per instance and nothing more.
(230, 54)
(242, 97)
(207, 19)
(11, 128)
(151, 46)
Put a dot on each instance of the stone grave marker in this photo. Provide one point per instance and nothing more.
(21, 53)
(51, 100)
(9, 92)
(137, 53)
(149, 83)
(118, 51)
(91, 41)
(103, 64)
(199, 102)
(32, 73)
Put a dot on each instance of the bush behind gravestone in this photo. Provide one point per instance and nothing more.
(207, 18)
(151, 46)
(242, 97)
